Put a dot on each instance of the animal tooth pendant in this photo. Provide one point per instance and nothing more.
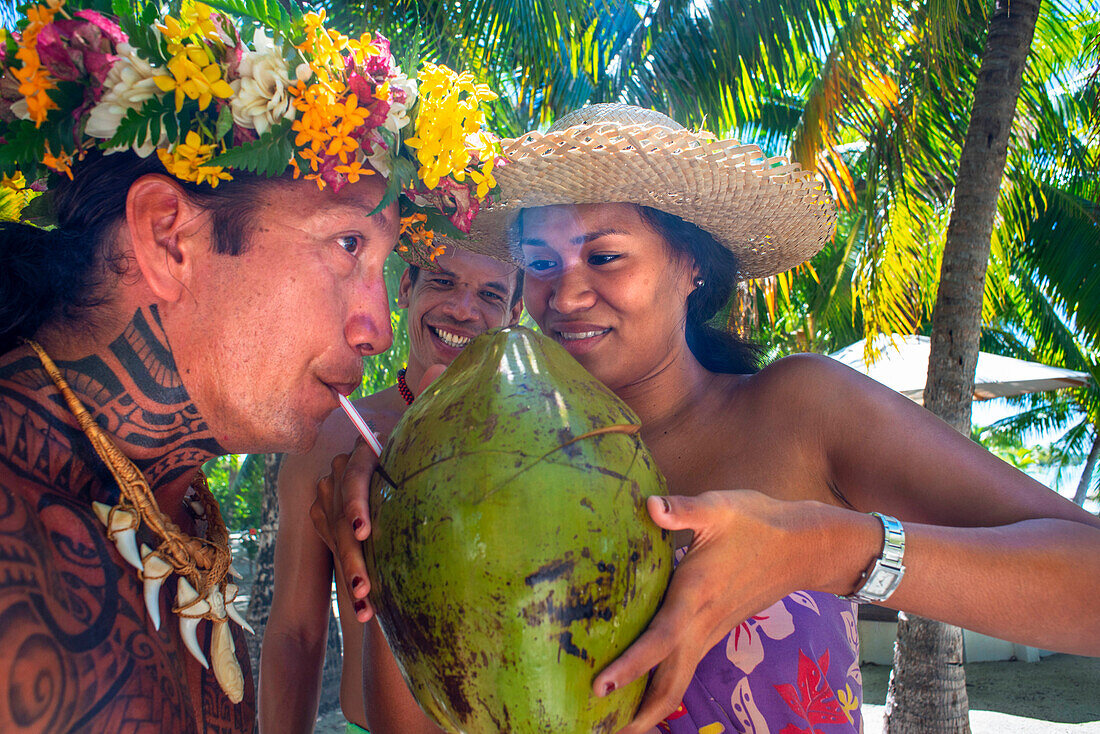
(217, 603)
(120, 529)
(191, 610)
(231, 591)
(153, 573)
(227, 671)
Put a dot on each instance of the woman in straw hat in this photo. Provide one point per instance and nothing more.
(799, 490)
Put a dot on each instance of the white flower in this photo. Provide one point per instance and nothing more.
(380, 157)
(398, 116)
(129, 84)
(380, 161)
(19, 109)
(260, 93)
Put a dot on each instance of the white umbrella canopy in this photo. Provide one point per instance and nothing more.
(902, 364)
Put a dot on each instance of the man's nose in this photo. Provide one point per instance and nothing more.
(461, 306)
(571, 292)
(368, 328)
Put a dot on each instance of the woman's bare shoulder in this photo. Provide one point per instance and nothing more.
(800, 380)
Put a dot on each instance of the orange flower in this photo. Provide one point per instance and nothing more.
(353, 171)
(60, 163)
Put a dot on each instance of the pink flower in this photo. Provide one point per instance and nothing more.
(69, 48)
(108, 27)
(362, 87)
(380, 65)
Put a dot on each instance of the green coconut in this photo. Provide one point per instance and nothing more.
(512, 558)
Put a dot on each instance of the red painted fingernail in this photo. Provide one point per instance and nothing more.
(359, 605)
(608, 687)
(356, 582)
(667, 506)
(357, 524)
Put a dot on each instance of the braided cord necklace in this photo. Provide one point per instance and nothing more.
(202, 564)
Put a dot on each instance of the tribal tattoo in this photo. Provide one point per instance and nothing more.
(77, 650)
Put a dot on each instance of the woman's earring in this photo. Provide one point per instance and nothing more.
(699, 282)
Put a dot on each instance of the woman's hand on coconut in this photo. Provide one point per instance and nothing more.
(742, 558)
(341, 516)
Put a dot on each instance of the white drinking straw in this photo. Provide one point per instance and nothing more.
(364, 429)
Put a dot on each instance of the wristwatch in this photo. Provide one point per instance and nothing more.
(884, 574)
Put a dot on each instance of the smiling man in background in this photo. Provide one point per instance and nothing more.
(468, 295)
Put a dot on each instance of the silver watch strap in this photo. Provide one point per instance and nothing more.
(885, 573)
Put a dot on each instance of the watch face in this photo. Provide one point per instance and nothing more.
(879, 584)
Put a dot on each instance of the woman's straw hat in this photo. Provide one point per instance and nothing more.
(767, 211)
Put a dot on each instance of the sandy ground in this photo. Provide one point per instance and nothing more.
(1059, 694)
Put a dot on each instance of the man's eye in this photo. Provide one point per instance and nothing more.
(351, 243)
(540, 265)
(491, 296)
(442, 282)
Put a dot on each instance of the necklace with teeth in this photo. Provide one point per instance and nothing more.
(202, 564)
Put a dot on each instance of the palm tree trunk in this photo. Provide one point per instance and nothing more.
(1090, 467)
(928, 685)
(263, 582)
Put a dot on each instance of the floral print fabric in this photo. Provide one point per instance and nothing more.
(791, 669)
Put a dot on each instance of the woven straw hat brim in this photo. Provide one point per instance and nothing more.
(768, 211)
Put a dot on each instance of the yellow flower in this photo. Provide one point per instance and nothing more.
(448, 116)
(194, 24)
(14, 196)
(322, 47)
(194, 75)
(485, 182)
(363, 48)
(187, 161)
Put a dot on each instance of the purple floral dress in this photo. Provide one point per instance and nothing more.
(791, 669)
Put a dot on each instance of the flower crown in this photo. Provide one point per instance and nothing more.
(186, 86)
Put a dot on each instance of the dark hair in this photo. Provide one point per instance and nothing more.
(717, 349)
(59, 272)
(517, 293)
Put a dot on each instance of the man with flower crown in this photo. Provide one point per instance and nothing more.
(159, 310)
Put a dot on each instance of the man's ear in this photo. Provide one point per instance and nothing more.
(515, 313)
(404, 289)
(165, 229)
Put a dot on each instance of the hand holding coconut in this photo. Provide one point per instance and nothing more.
(709, 594)
(342, 519)
(341, 511)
